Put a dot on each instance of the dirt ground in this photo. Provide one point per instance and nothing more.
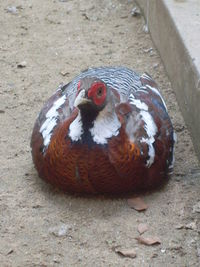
(40, 226)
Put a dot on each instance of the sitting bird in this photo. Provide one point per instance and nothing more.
(106, 132)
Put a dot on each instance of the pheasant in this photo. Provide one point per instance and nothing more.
(107, 131)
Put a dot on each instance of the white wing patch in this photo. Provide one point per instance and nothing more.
(150, 127)
(151, 130)
(51, 121)
(105, 126)
(76, 128)
(138, 103)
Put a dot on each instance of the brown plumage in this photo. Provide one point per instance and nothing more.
(107, 131)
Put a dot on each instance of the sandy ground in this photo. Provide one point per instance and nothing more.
(40, 226)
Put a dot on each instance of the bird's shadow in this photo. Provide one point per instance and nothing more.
(84, 203)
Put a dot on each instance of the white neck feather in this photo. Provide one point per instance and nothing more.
(106, 125)
(76, 128)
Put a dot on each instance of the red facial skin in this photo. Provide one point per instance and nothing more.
(78, 88)
(97, 93)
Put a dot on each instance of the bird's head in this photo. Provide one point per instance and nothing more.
(96, 120)
(92, 94)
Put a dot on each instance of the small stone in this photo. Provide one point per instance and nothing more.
(146, 28)
(135, 12)
(61, 230)
(12, 9)
(179, 127)
(196, 208)
(155, 66)
(148, 50)
(56, 260)
(85, 16)
(22, 64)
(179, 226)
(64, 73)
(36, 206)
(191, 226)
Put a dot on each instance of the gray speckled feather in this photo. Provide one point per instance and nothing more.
(122, 79)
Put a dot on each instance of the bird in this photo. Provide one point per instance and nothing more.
(107, 131)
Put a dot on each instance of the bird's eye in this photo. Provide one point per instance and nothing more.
(99, 91)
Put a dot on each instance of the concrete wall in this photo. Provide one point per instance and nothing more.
(177, 38)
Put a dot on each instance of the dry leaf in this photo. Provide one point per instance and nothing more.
(137, 203)
(130, 252)
(149, 241)
(142, 227)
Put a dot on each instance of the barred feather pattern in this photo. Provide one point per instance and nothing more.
(122, 79)
(132, 147)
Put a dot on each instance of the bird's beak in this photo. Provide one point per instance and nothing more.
(81, 99)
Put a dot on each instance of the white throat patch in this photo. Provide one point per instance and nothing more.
(76, 128)
(105, 126)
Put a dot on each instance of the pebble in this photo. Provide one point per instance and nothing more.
(22, 64)
(148, 50)
(135, 12)
(196, 208)
(60, 230)
(191, 226)
(155, 66)
(146, 28)
(12, 9)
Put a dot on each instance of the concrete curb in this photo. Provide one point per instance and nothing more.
(174, 26)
